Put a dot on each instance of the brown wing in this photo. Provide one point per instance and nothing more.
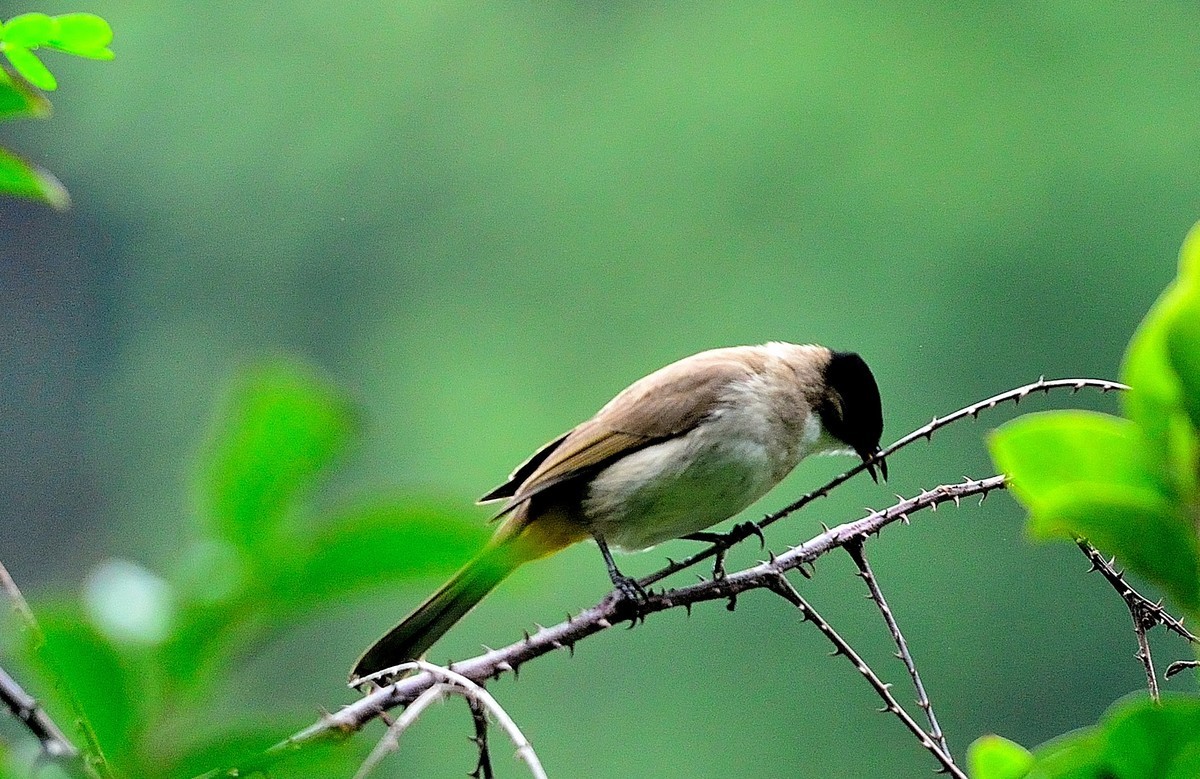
(523, 472)
(667, 403)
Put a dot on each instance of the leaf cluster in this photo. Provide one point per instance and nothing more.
(81, 34)
(1130, 486)
(143, 659)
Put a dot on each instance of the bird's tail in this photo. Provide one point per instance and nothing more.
(421, 629)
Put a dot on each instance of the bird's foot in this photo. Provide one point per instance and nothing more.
(630, 599)
(738, 532)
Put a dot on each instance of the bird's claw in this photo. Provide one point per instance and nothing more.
(747, 529)
(630, 597)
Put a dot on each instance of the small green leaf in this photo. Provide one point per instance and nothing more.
(1045, 452)
(29, 30)
(1151, 534)
(79, 667)
(30, 67)
(81, 33)
(283, 427)
(18, 100)
(993, 757)
(20, 178)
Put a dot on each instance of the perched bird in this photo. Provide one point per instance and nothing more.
(678, 451)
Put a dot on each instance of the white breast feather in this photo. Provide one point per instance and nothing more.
(689, 483)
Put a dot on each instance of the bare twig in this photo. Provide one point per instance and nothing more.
(19, 605)
(449, 682)
(856, 552)
(745, 530)
(594, 620)
(781, 586)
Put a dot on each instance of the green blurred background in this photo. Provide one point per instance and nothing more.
(482, 220)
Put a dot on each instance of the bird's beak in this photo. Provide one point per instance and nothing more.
(871, 459)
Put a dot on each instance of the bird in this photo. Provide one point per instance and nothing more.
(676, 452)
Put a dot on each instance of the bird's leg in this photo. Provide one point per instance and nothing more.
(628, 587)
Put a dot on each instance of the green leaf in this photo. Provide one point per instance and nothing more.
(1144, 741)
(381, 545)
(1086, 474)
(223, 745)
(29, 30)
(1183, 348)
(86, 675)
(18, 101)
(993, 757)
(95, 54)
(30, 67)
(1151, 534)
(1156, 400)
(21, 179)
(282, 428)
(81, 34)
(1043, 453)
(1136, 739)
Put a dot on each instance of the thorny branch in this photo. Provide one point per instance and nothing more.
(766, 575)
(596, 619)
(1145, 613)
(782, 587)
(483, 767)
(855, 549)
(747, 529)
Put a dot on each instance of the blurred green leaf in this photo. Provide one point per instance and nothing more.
(235, 746)
(1046, 452)
(382, 545)
(80, 668)
(1136, 739)
(1075, 756)
(283, 426)
(20, 178)
(993, 757)
(1145, 741)
(81, 33)
(17, 101)
(29, 30)
(30, 67)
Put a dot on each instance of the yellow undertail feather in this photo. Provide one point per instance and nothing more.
(515, 543)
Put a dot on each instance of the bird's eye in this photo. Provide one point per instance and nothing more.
(835, 405)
